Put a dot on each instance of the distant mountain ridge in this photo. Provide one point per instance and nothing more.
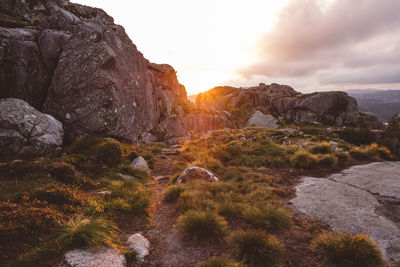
(384, 104)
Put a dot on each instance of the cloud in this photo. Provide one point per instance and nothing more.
(346, 42)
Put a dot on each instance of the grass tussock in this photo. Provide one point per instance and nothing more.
(348, 250)
(321, 148)
(172, 193)
(304, 160)
(201, 226)
(85, 232)
(268, 217)
(257, 249)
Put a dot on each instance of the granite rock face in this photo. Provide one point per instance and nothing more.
(73, 62)
(363, 199)
(26, 132)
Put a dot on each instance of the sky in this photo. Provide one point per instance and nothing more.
(311, 45)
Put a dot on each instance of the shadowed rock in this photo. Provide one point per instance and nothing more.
(26, 132)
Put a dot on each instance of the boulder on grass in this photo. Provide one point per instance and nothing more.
(26, 132)
(140, 163)
(196, 173)
(140, 245)
(105, 257)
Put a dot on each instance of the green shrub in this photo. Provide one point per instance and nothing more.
(342, 156)
(172, 193)
(357, 136)
(85, 232)
(195, 201)
(63, 172)
(109, 154)
(303, 159)
(348, 250)
(230, 210)
(36, 256)
(321, 148)
(22, 169)
(217, 262)
(258, 250)
(202, 226)
(269, 217)
(57, 194)
(328, 160)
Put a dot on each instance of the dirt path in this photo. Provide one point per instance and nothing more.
(167, 247)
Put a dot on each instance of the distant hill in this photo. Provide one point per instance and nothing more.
(382, 103)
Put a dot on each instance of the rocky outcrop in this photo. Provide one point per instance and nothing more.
(73, 62)
(196, 173)
(330, 108)
(357, 201)
(26, 132)
(105, 257)
(222, 98)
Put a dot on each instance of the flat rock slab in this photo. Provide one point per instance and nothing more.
(103, 258)
(351, 201)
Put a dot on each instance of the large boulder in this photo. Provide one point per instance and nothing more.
(25, 132)
(73, 62)
(260, 119)
(333, 108)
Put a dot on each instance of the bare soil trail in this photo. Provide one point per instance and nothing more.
(167, 246)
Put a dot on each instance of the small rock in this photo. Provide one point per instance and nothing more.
(104, 193)
(333, 144)
(160, 178)
(140, 245)
(106, 257)
(125, 176)
(140, 163)
(195, 173)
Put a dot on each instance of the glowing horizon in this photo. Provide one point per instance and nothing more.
(308, 44)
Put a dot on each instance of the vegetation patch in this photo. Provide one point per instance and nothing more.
(348, 250)
(258, 249)
(201, 226)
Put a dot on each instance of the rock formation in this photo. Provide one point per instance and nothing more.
(25, 132)
(282, 101)
(73, 62)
